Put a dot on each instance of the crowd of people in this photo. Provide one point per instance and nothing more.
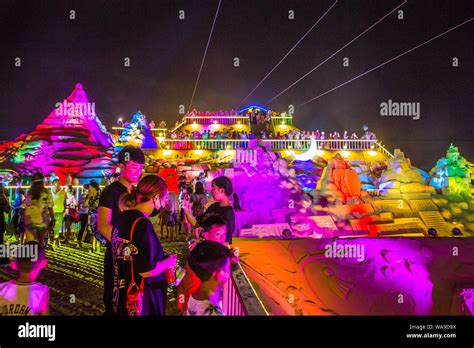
(46, 215)
(296, 139)
(137, 270)
(258, 117)
(137, 285)
(236, 134)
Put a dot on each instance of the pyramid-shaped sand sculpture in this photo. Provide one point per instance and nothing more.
(70, 140)
(138, 133)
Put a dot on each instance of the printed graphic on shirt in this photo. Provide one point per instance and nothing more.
(123, 250)
(14, 309)
(202, 308)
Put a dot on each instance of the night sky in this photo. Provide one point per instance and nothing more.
(166, 52)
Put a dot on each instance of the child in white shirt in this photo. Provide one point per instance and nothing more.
(25, 296)
(210, 261)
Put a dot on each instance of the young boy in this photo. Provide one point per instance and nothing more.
(25, 296)
(214, 229)
(210, 261)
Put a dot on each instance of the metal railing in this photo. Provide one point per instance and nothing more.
(329, 144)
(178, 125)
(239, 296)
(246, 156)
(232, 303)
(204, 144)
(382, 149)
(273, 144)
(12, 190)
(282, 120)
(227, 120)
(155, 131)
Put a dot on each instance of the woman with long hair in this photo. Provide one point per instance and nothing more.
(39, 214)
(138, 255)
(198, 199)
(222, 191)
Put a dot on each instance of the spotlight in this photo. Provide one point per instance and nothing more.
(432, 232)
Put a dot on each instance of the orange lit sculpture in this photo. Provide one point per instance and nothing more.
(344, 177)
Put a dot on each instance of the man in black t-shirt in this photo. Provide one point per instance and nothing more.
(131, 160)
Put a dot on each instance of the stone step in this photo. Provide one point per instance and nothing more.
(422, 205)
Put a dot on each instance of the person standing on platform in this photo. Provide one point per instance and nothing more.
(131, 161)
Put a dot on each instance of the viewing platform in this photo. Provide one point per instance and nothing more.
(273, 144)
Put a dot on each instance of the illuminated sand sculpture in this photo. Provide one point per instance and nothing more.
(71, 139)
(359, 189)
(384, 194)
(363, 276)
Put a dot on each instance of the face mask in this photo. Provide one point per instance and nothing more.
(155, 212)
